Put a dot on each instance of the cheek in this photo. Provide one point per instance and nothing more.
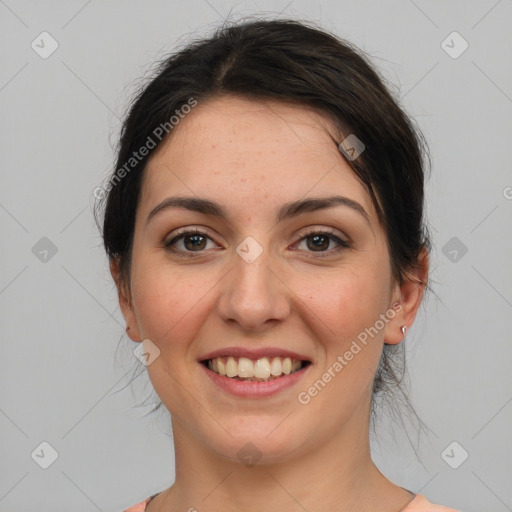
(347, 307)
(168, 306)
(349, 301)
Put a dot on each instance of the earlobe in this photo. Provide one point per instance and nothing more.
(128, 329)
(410, 294)
(396, 329)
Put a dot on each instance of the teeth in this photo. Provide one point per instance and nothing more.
(276, 368)
(220, 366)
(231, 367)
(261, 369)
(245, 367)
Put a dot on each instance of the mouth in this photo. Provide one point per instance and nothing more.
(262, 369)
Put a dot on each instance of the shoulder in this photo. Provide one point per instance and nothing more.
(421, 504)
(140, 507)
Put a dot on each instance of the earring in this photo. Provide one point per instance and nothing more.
(403, 329)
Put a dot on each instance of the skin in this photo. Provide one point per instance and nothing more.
(252, 157)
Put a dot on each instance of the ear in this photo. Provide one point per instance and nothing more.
(125, 301)
(408, 295)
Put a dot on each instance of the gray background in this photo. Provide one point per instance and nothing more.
(61, 379)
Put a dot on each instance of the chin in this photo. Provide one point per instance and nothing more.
(257, 441)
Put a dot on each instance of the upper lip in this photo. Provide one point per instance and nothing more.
(253, 353)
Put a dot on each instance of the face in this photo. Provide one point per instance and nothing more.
(264, 279)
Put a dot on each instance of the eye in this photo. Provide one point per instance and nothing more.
(191, 241)
(319, 241)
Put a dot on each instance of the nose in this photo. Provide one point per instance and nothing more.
(254, 296)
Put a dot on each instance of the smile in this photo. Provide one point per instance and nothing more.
(255, 387)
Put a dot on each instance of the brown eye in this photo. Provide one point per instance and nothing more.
(319, 242)
(191, 241)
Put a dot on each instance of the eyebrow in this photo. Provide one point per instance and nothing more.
(287, 211)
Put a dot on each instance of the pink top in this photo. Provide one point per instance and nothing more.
(421, 504)
(418, 504)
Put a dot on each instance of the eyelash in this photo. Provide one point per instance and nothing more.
(343, 244)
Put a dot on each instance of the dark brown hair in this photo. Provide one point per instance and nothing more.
(291, 61)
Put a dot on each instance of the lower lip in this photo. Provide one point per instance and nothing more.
(254, 389)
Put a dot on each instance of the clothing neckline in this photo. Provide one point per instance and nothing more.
(151, 497)
(414, 495)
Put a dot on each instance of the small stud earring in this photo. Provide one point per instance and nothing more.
(403, 329)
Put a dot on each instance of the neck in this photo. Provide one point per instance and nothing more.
(336, 474)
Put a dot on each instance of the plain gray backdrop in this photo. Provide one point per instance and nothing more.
(62, 382)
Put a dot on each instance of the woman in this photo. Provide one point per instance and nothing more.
(265, 232)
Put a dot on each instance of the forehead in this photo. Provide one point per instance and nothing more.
(250, 152)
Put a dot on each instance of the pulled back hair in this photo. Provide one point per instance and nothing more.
(289, 61)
